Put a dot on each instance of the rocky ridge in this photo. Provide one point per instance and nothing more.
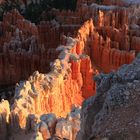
(113, 113)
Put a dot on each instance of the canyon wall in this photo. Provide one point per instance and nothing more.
(114, 35)
(98, 39)
(70, 80)
(27, 47)
(20, 52)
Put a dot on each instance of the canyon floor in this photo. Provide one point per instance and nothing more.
(69, 70)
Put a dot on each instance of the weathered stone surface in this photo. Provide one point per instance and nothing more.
(68, 52)
(113, 112)
(4, 113)
(44, 130)
(50, 120)
(114, 30)
(63, 128)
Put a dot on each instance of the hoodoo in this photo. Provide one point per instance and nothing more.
(59, 55)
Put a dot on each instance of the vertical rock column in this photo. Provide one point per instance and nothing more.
(4, 114)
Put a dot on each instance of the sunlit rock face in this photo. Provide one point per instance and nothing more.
(4, 112)
(69, 82)
(114, 36)
(46, 126)
(113, 39)
(57, 60)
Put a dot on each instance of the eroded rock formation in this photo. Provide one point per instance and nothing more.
(68, 53)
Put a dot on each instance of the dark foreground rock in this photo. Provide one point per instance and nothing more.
(114, 113)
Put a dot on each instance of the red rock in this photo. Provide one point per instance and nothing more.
(102, 43)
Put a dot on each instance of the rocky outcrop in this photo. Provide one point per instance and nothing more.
(41, 92)
(69, 80)
(116, 92)
(4, 115)
(47, 126)
(68, 52)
